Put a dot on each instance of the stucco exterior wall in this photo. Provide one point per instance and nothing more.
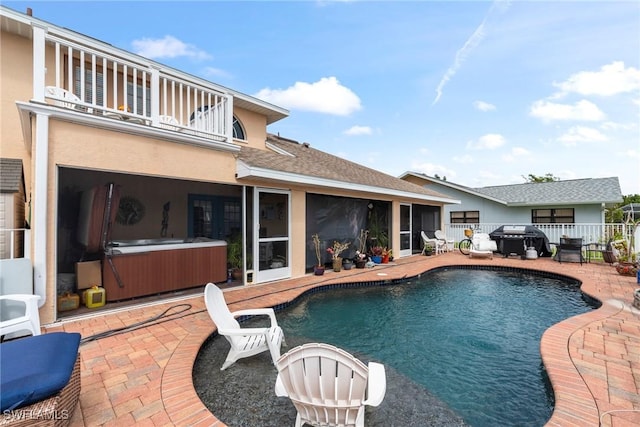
(15, 64)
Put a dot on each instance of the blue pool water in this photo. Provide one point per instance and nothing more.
(471, 337)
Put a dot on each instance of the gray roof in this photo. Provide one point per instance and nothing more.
(573, 191)
(10, 175)
(570, 192)
(302, 159)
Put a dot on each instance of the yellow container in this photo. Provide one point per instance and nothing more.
(68, 302)
(95, 297)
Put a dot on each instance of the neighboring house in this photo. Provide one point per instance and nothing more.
(12, 208)
(147, 171)
(557, 205)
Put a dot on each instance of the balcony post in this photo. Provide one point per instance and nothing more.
(228, 120)
(155, 96)
(39, 68)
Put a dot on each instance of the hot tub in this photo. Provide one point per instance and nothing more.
(134, 268)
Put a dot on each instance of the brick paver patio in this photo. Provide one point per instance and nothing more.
(143, 376)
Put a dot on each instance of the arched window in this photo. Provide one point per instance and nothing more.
(238, 131)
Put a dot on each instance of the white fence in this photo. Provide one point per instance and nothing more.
(590, 233)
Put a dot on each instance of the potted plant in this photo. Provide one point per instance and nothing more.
(318, 269)
(386, 253)
(361, 254)
(347, 264)
(376, 254)
(234, 256)
(335, 252)
(428, 250)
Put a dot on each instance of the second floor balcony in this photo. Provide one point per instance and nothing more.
(93, 78)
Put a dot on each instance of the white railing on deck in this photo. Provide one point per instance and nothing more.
(127, 88)
(590, 233)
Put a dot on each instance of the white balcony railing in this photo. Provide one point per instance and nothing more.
(90, 77)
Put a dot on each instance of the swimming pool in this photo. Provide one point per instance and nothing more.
(461, 339)
(471, 337)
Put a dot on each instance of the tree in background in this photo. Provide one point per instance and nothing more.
(615, 214)
(531, 178)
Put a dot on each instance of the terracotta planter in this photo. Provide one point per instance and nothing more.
(385, 259)
(627, 269)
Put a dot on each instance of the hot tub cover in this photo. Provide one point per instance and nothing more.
(35, 368)
(534, 237)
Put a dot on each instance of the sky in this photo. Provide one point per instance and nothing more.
(482, 93)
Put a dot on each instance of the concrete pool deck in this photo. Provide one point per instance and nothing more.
(143, 376)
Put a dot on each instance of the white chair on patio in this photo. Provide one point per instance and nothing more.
(244, 342)
(448, 243)
(436, 244)
(328, 386)
(482, 246)
(19, 313)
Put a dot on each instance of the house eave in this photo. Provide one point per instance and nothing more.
(454, 187)
(27, 109)
(245, 171)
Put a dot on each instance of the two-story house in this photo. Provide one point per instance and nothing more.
(149, 171)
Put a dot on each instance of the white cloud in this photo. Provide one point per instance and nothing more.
(581, 110)
(432, 169)
(515, 154)
(617, 126)
(358, 130)
(465, 160)
(611, 80)
(489, 141)
(582, 134)
(632, 153)
(484, 106)
(167, 47)
(324, 96)
(215, 72)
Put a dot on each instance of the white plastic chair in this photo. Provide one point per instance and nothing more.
(244, 342)
(434, 243)
(328, 386)
(63, 98)
(19, 312)
(169, 122)
(447, 244)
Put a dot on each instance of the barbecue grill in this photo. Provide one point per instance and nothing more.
(515, 239)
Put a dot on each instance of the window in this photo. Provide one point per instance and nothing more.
(88, 85)
(553, 216)
(465, 217)
(142, 96)
(215, 217)
(238, 131)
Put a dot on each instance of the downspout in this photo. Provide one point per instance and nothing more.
(39, 212)
(40, 152)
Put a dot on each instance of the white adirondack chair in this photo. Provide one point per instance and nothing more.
(244, 342)
(328, 386)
